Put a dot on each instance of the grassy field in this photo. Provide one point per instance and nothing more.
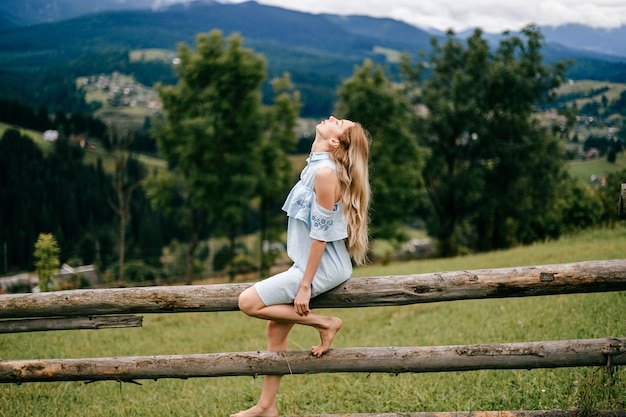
(587, 87)
(599, 167)
(36, 136)
(147, 55)
(460, 322)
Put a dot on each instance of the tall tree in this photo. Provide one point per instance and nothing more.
(23, 197)
(396, 159)
(492, 171)
(211, 131)
(609, 196)
(276, 173)
(124, 186)
(55, 192)
(46, 259)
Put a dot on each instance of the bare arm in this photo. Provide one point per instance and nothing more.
(327, 191)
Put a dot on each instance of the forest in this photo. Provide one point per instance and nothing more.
(458, 152)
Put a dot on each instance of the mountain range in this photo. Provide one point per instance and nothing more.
(16, 13)
(46, 43)
(32, 12)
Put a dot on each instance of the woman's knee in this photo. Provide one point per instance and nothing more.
(249, 301)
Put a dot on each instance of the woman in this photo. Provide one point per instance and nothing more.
(328, 213)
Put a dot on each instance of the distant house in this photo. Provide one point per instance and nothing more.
(67, 274)
(50, 135)
(17, 284)
(25, 283)
(592, 153)
(82, 141)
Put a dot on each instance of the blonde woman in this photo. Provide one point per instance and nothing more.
(327, 225)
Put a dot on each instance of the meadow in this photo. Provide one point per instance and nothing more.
(599, 167)
(556, 317)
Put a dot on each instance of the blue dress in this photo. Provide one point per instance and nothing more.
(307, 220)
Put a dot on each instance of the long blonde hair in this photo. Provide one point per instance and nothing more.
(351, 159)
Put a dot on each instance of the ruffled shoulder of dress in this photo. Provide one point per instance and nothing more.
(302, 196)
(299, 201)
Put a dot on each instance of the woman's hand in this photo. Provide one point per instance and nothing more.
(301, 303)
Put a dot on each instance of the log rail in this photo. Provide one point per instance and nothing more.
(582, 277)
(72, 306)
(394, 360)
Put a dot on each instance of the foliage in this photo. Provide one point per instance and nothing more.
(46, 259)
(127, 177)
(59, 193)
(492, 170)
(576, 206)
(609, 196)
(223, 257)
(137, 270)
(16, 113)
(211, 130)
(395, 158)
(275, 175)
(173, 259)
(35, 193)
(619, 105)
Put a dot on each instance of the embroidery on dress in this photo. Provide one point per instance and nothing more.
(303, 203)
(321, 223)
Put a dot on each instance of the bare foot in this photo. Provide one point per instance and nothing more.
(257, 411)
(327, 335)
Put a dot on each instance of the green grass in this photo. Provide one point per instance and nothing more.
(36, 136)
(153, 54)
(600, 167)
(586, 87)
(450, 323)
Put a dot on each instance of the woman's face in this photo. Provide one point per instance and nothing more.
(328, 131)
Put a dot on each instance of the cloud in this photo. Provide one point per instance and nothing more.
(490, 15)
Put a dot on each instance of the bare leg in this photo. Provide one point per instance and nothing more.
(276, 341)
(281, 318)
(251, 304)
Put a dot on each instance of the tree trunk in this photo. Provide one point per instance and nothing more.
(122, 248)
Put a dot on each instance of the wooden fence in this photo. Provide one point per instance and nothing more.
(77, 308)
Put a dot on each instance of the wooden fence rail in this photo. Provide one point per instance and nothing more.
(394, 360)
(69, 323)
(591, 276)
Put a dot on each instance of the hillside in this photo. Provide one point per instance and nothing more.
(37, 63)
(32, 12)
(317, 50)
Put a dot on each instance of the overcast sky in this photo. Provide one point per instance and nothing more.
(459, 15)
